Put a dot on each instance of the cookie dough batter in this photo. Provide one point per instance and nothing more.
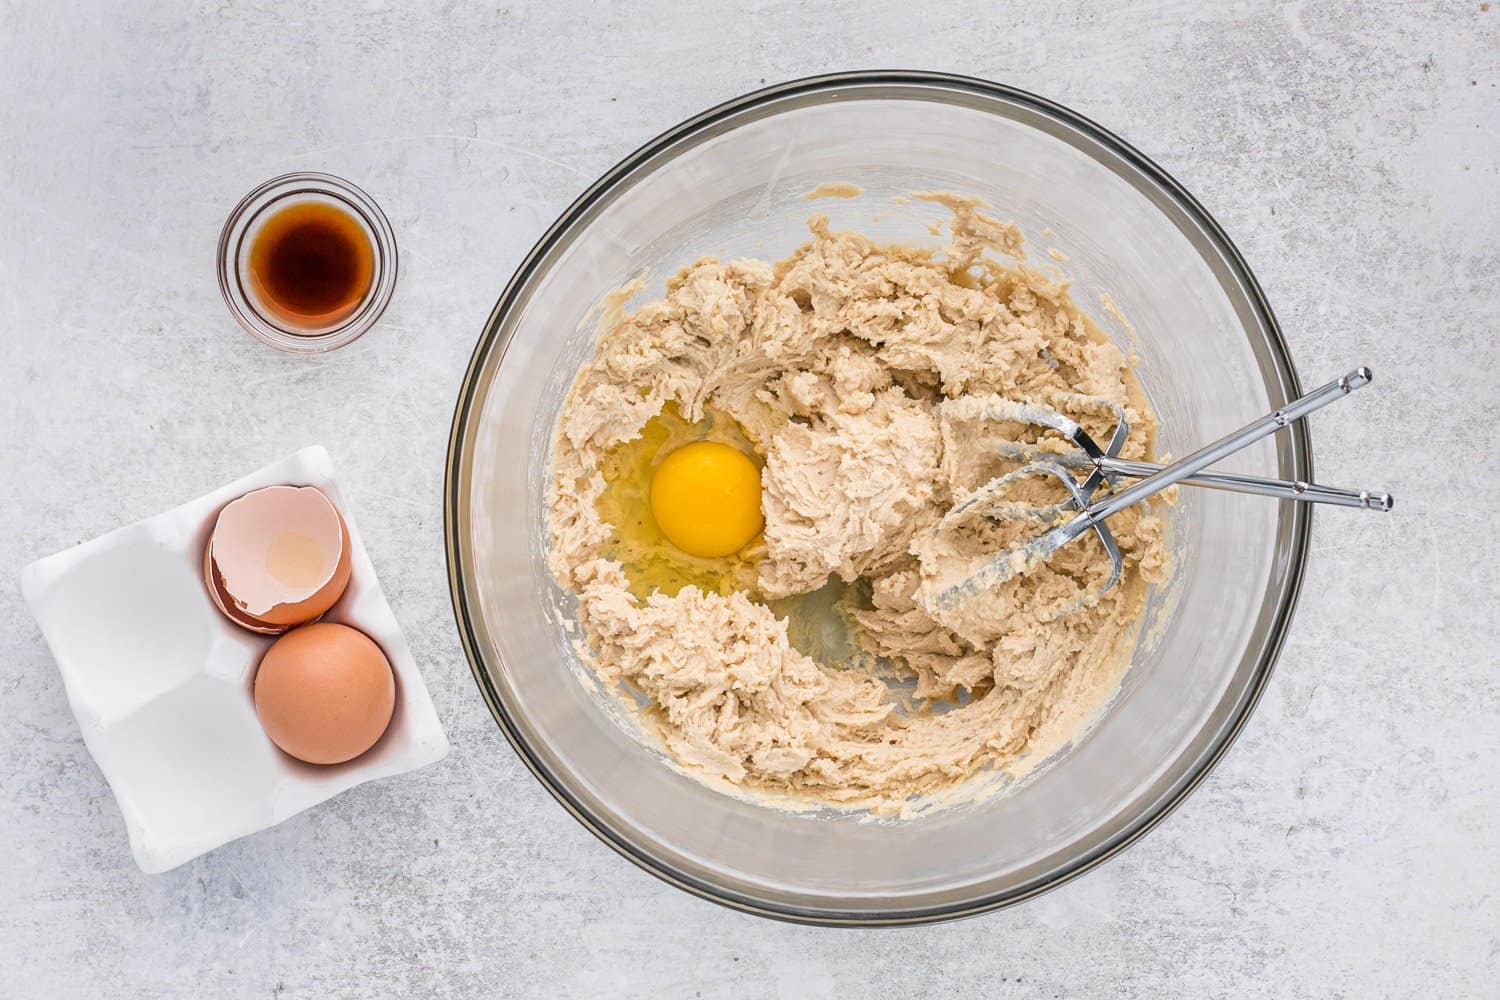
(834, 365)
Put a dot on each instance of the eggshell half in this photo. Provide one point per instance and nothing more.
(277, 557)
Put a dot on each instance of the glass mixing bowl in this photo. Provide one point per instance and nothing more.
(729, 183)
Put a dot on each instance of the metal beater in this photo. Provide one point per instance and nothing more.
(1081, 512)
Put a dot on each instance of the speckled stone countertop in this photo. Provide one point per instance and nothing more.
(1343, 848)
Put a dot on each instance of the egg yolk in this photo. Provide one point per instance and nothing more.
(705, 497)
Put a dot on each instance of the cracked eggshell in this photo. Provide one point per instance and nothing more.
(277, 557)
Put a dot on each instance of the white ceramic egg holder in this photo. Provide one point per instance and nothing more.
(161, 682)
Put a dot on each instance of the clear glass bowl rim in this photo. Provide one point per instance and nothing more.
(826, 89)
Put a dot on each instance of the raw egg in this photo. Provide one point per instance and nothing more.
(277, 558)
(705, 497)
(325, 693)
(650, 560)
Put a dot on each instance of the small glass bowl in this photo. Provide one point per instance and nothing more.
(234, 254)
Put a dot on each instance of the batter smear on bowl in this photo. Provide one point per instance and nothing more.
(827, 370)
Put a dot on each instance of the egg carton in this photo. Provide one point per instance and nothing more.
(161, 682)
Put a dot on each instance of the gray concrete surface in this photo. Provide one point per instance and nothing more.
(1345, 846)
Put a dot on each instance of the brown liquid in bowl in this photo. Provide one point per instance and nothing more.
(311, 264)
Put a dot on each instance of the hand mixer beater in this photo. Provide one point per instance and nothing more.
(1082, 511)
